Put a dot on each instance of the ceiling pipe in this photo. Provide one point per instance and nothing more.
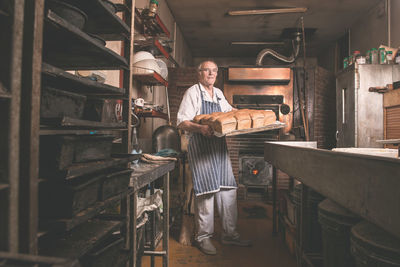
(291, 59)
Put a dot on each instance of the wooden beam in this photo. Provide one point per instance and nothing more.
(14, 121)
(367, 185)
(29, 126)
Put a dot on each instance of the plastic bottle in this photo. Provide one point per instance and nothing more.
(368, 57)
(374, 56)
(382, 56)
(147, 194)
(345, 63)
(135, 143)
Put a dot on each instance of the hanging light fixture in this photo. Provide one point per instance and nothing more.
(268, 11)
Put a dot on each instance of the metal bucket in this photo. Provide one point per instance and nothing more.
(336, 223)
(166, 136)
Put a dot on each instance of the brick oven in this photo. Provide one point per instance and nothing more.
(258, 88)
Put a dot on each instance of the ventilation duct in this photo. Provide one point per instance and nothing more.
(291, 59)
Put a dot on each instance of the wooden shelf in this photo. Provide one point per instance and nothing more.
(152, 114)
(71, 122)
(154, 42)
(3, 14)
(102, 21)
(58, 78)
(19, 259)
(4, 94)
(67, 47)
(4, 186)
(81, 240)
(83, 216)
(80, 169)
(150, 26)
(123, 8)
(57, 131)
(151, 79)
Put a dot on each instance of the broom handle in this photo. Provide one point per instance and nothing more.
(190, 200)
(167, 98)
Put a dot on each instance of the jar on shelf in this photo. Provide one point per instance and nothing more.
(374, 56)
(382, 56)
(357, 56)
(397, 58)
(153, 6)
(389, 57)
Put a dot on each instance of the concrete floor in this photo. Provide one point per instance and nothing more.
(255, 224)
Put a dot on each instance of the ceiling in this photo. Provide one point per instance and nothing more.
(209, 31)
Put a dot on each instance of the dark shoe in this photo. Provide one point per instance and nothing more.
(236, 242)
(206, 246)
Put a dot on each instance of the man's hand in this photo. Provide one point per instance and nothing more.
(206, 130)
(193, 127)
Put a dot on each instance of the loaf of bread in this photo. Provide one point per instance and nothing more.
(243, 119)
(198, 118)
(221, 122)
(269, 117)
(225, 123)
(257, 118)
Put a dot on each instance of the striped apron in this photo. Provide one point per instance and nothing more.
(208, 158)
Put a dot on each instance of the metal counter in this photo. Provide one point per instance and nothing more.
(366, 185)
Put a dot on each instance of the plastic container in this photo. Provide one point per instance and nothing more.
(374, 56)
(397, 57)
(361, 60)
(389, 57)
(371, 246)
(336, 223)
(356, 56)
(382, 56)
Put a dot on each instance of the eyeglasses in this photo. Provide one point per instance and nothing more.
(215, 70)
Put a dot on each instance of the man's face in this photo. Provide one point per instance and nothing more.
(208, 73)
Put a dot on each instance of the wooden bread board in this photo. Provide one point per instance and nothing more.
(272, 126)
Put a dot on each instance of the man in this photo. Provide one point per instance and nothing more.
(209, 162)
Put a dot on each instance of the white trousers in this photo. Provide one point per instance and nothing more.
(227, 210)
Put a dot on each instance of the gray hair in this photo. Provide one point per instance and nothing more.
(204, 61)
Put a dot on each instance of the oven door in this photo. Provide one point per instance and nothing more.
(254, 171)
